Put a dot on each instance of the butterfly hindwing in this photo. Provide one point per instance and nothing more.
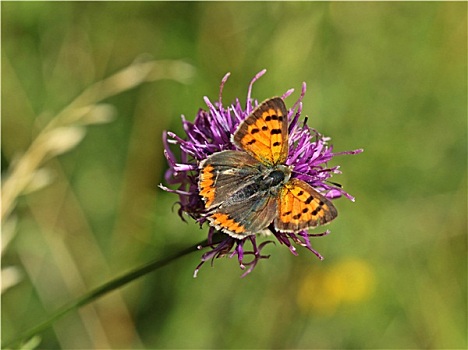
(229, 185)
(264, 133)
(301, 207)
(247, 217)
(222, 173)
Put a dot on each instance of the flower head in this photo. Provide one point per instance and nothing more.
(212, 132)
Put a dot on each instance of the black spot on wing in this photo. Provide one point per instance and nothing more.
(275, 131)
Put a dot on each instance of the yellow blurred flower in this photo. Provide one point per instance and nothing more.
(351, 280)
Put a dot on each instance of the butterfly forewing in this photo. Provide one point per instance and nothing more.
(264, 133)
(301, 207)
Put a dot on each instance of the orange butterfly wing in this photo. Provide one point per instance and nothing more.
(301, 207)
(264, 133)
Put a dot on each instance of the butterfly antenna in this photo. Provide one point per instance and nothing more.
(320, 171)
(334, 183)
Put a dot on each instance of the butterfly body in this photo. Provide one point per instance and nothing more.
(245, 191)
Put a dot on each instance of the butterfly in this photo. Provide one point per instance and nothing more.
(247, 190)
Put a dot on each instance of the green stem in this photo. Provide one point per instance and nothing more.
(102, 290)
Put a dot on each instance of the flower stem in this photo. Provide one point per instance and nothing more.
(101, 291)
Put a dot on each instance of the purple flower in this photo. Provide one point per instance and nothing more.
(211, 132)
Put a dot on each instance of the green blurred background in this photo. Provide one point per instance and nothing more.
(388, 77)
